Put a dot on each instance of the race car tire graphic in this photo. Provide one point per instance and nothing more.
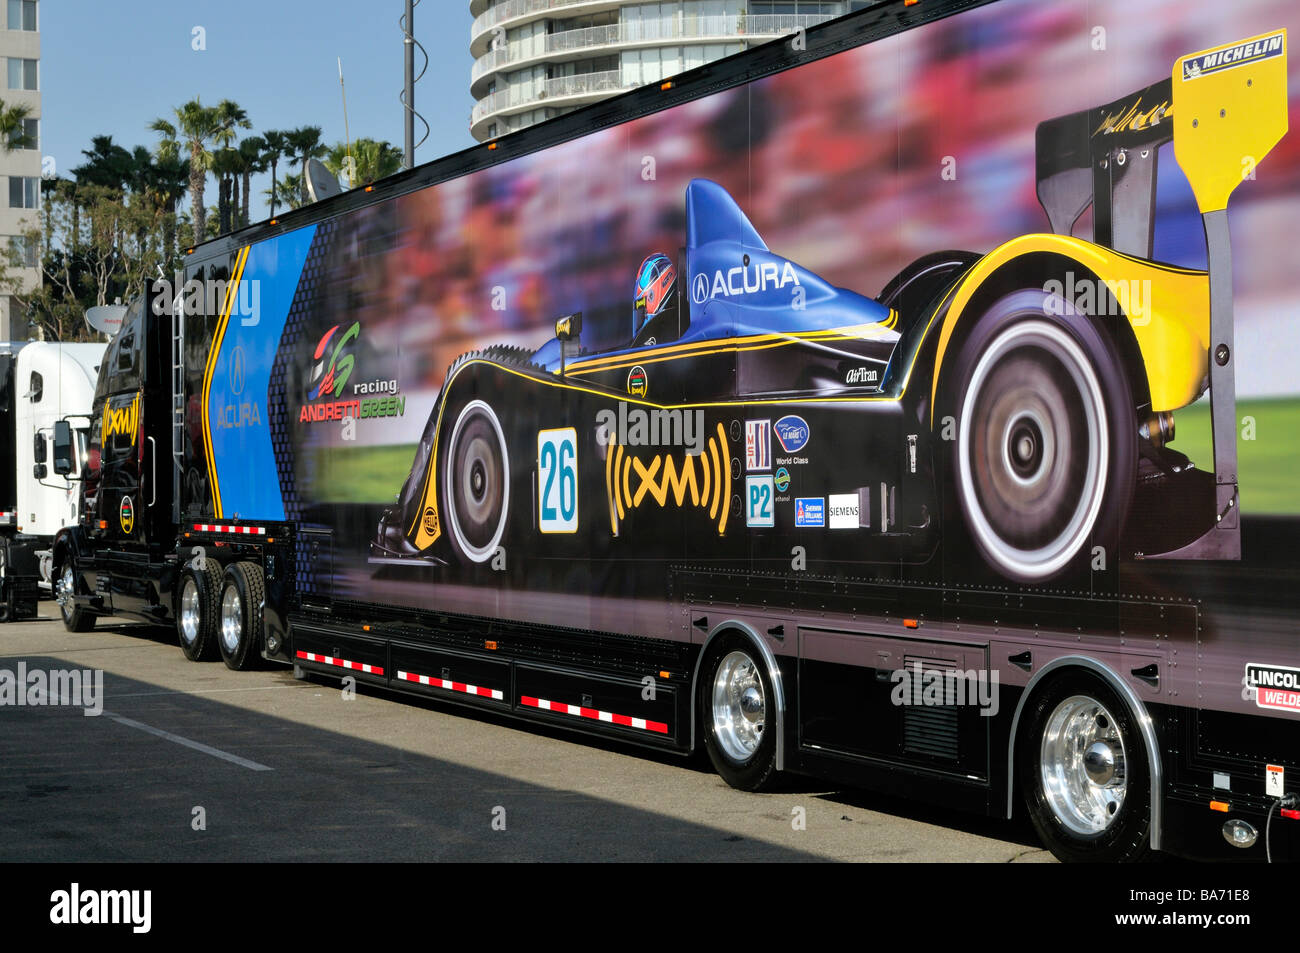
(197, 609)
(239, 629)
(736, 704)
(476, 482)
(1084, 773)
(1044, 464)
(75, 619)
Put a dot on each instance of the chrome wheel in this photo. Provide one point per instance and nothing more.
(1032, 449)
(739, 706)
(64, 589)
(1084, 765)
(232, 618)
(191, 614)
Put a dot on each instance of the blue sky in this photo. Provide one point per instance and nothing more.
(113, 67)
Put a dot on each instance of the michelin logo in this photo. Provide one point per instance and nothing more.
(742, 281)
(1203, 64)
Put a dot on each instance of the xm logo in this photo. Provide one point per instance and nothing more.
(699, 481)
(122, 420)
(330, 374)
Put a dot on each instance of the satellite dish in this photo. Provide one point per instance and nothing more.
(106, 318)
(321, 183)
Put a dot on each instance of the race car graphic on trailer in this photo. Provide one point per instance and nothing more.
(1028, 392)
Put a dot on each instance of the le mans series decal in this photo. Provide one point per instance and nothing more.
(241, 460)
(1276, 687)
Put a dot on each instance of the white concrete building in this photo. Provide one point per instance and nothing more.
(535, 59)
(20, 169)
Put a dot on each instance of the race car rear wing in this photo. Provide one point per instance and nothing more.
(1224, 109)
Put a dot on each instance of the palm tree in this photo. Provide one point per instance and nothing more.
(225, 166)
(277, 147)
(13, 130)
(253, 151)
(195, 126)
(287, 192)
(372, 160)
(304, 144)
(107, 164)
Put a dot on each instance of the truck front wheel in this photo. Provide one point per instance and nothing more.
(243, 594)
(75, 618)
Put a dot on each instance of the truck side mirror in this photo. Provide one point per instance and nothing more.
(40, 471)
(38, 447)
(62, 448)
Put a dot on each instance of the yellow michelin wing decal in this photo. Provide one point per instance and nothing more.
(1230, 109)
(1168, 309)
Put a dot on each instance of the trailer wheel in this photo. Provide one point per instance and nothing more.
(476, 483)
(197, 610)
(240, 628)
(1045, 461)
(75, 618)
(736, 702)
(1084, 772)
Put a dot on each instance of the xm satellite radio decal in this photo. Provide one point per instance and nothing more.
(1230, 57)
(697, 482)
(123, 420)
(329, 397)
(1272, 686)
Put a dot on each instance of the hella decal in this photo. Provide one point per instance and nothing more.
(792, 432)
(742, 281)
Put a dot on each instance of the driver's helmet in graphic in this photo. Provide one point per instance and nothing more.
(655, 293)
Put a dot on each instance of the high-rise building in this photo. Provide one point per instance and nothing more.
(20, 163)
(535, 59)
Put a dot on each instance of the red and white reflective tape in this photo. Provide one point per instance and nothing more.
(227, 528)
(341, 663)
(8, 514)
(452, 686)
(625, 720)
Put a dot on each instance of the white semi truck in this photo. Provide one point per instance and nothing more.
(40, 382)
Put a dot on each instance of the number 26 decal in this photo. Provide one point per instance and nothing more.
(557, 481)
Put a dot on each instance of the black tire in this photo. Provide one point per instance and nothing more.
(1080, 813)
(740, 741)
(198, 601)
(75, 618)
(1044, 464)
(239, 619)
(475, 482)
